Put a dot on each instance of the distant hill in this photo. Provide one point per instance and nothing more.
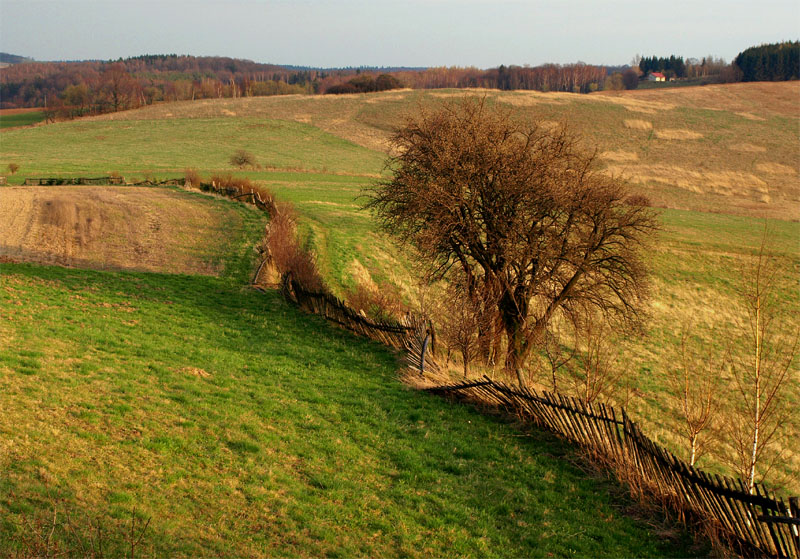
(7, 58)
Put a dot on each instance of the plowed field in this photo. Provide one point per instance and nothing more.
(113, 227)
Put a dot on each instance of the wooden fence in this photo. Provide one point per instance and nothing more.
(761, 520)
(393, 334)
(52, 181)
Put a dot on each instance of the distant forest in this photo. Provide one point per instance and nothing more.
(72, 89)
(776, 62)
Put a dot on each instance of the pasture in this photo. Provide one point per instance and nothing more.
(237, 425)
(20, 117)
(719, 162)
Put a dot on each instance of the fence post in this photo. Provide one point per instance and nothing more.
(422, 356)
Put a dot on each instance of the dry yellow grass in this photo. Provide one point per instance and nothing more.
(677, 134)
(110, 227)
(776, 169)
(636, 124)
(619, 156)
(746, 147)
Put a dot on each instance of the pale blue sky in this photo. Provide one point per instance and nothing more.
(481, 33)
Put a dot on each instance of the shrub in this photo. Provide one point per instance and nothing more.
(13, 168)
(242, 158)
(383, 303)
(193, 178)
(286, 252)
(228, 182)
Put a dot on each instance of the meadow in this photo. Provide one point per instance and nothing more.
(240, 426)
(20, 117)
(719, 163)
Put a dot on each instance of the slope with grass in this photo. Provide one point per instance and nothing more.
(239, 427)
(730, 150)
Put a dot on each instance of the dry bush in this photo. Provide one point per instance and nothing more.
(464, 323)
(242, 158)
(193, 178)
(383, 303)
(285, 251)
(597, 370)
(230, 184)
(13, 168)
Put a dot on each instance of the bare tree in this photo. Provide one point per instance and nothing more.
(558, 357)
(694, 382)
(763, 374)
(520, 210)
(464, 322)
(596, 370)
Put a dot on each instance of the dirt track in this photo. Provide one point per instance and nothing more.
(109, 227)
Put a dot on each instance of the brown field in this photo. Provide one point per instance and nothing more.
(8, 112)
(758, 99)
(110, 227)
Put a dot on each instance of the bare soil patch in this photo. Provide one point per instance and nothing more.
(109, 227)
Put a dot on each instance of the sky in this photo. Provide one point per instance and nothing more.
(338, 33)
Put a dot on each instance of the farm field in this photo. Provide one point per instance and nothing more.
(238, 426)
(719, 162)
(20, 117)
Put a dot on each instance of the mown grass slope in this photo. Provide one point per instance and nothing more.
(240, 427)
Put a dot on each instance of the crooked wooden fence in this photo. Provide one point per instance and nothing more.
(393, 334)
(761, 520)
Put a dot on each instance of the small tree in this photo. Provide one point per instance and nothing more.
(557, 356)
(242, 158)
(464, 322)
(596, 369)
(762, 374)
(521, 211)
(694, 383)
(630, 78)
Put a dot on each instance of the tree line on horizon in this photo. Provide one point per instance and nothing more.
(73, 89)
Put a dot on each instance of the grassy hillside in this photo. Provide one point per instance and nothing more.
(731, 150)
(240, 427)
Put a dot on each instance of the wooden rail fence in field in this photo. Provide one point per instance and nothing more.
(761, 520)
(53, 181)
(392, 334)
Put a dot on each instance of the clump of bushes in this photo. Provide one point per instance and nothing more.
(382, 303)
(366, 84)
(193, 178)
(242, 159)
(287, 253)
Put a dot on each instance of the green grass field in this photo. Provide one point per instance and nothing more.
(20, 119)
(240, 427)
